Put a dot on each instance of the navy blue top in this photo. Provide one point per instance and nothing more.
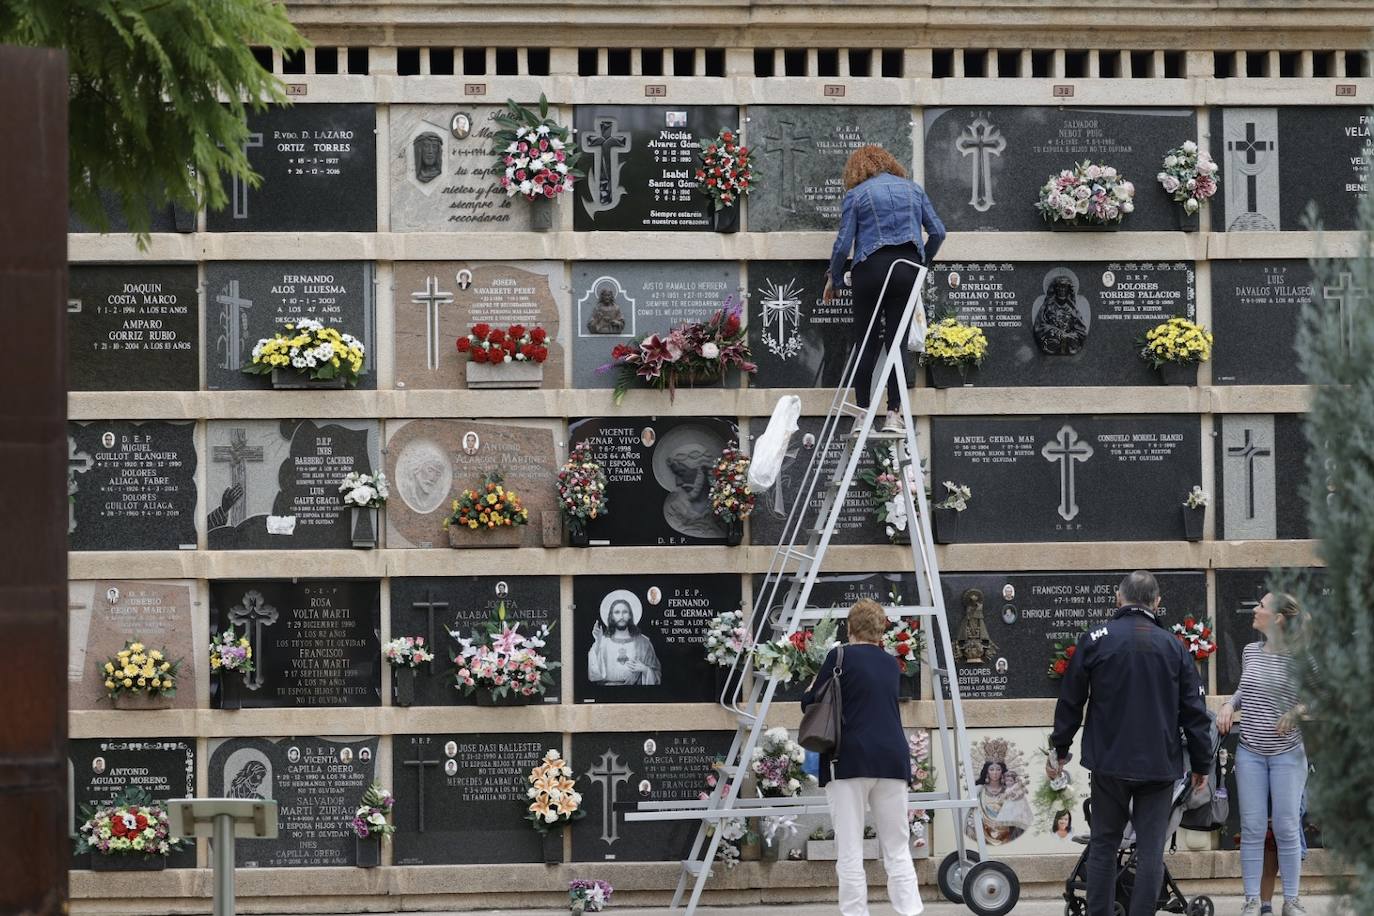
(872, 742)
(884, 210)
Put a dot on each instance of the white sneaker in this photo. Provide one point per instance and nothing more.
(1251, 908)
(1292, 906)
(893, 423)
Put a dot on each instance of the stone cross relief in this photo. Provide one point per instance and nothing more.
(237, 454)
(1255, 153)
(1347, 297)
(790, 146)
(78, 462)
(1067, 449)
(609, 772)
(253, 613)
(431, 297)
(233, 327)
(1248, 451)
(240, 187)
(429, 606)
(607, 148)
(981, 140)
(421, 765)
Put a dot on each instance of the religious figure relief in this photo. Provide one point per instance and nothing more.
(424, 476)
(606, 316)
(1003, 808)
(428, 150)
(972, 644)
(621, 655)
(1061, 315)
(608, 148)
(780, 311)
(238, 454)
(248, 774)
(980, 141)
(682, 463)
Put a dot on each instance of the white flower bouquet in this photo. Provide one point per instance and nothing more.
(726, 638)
(365, 491)
(535, 154)
(1087, 193)
(1189, 176)
(776, 765)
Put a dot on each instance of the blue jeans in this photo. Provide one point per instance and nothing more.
(1271, 788)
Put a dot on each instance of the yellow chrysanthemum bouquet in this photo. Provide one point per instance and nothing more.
(1177, 340)
(137, 669)
(312, 349)
(955, 343)
(492, 506)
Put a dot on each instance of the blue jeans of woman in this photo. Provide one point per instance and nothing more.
(1270, 788)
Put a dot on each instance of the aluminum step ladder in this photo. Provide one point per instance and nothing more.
(988, 888)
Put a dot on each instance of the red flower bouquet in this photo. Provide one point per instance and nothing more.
(515, 344)
(726, 173)
(691, 352)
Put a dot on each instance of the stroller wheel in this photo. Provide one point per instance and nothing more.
(1076, 906)
(950, 876)
(991, 889)
(1118, 909)
(1201, 906)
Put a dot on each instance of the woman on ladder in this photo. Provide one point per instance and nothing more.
(881, 220)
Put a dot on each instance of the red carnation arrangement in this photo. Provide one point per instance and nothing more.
(904, 642)
(726, 173)
(1063, 652)
(1196, 636)
(514, 344)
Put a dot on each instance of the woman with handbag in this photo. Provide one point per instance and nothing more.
(881, 219)
(869, 763)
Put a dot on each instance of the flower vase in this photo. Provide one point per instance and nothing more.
(229, 697)
(403, 685)
(751, 850)
(946, 376)
(369, 851)
(578, 535)
(126, 862)
(734, 533)
(1060, 225)
(141, 700)
(1192, 523)
(291, 380)
(1178, 373)
(945, 525)
(541, 215)
(514, 374)
(727, 219)
(553, 846)
(505, 536)
(510, 698)
(364, 527)
(1185, 221)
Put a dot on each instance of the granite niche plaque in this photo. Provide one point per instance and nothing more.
(431, 607)
(1261, 464)
(317, 782)
(131, 485)
(641, 163)
(437, 303)
(104, 768)
(133, 328)
(460, 799)
(617, 770)
(658, 478)
(431, 462)
(319, 172)
(985, 166)
(1238, 594)
(1268, 296)
(315, 641)
(1069, 478)
(104, 614)
(801, 150)
(247, 301)
(637, 639)
(798, 340)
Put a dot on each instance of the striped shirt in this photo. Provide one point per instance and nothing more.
(1268, 688)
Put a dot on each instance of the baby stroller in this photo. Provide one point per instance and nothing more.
(1205, 810)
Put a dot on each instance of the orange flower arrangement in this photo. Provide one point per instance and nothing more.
(493, 506)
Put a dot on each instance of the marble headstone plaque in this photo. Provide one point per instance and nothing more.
(104, 614)
(985, 166)
(658, 478)
(1275, 162)
(1248, 296)
(438, 302)
(102, 769)
(246, 301)
(317, 782)
(131, 485)
(1238, 593)
(133, 328)
(1069, 478)
(460, 799)
(801, 151)
(617, 770)
(443, 171)
(641, 163)
(637, 639)
(1261, 464)
(432, 607)
(274, 484)
(797, 340)
(315, 641)
(858, 524)
(1005, 626)
(319, 172)
(616, 301)
(431, 462)
(1071, 323)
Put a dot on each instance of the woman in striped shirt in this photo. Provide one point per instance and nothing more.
(1271, 765)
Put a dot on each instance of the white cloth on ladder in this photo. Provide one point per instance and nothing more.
(765, 462)
(916, 331)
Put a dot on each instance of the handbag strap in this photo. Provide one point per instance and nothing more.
(839, 707)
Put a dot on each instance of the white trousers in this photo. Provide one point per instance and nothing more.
(886, 798)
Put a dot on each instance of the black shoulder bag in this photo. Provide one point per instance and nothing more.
(820, 724)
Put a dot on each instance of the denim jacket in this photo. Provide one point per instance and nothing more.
(884, 210)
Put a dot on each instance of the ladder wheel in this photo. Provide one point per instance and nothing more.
(950, 876)
(991, 889)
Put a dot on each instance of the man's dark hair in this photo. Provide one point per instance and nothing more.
(1140, 588)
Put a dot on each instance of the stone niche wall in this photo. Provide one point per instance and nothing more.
(202, 497)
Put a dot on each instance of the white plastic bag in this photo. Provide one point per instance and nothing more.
(769, 450)
(916, 331)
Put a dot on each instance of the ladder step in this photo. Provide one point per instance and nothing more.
(694, 867)
(795, 554)
(879, 434)
(896, 612)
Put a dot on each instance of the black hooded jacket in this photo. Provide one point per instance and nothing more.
(1141, 687)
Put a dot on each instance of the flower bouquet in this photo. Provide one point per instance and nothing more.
(1175, 349)
(1087, 195)
(489, 511)
(726, 639)
(405, 654)
(505, 358)
(922, 780)
(726, 174)
(371, 825)
(953, 349)
(945, 514)
(1194, 513)
(1196, 636)
(553, 802)
(501, 665)
(1059, 663)
(1189, 176)
(1055, 797)
(581, 492)
(308, 354)
(130, 832)
(230, 652)
(739, 840)
(797, 656)
(776, 765)
(904, 641)
(589, 895)
(364, 494)
(536, 157)
(140, 678)
(732, 500)
(692, 352)
(885, 492)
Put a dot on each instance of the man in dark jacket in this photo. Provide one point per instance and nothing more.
(1143, 688)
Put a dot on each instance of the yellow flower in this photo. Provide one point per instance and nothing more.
(143, 682)
(491, 498)
(123, 653)
(167, 683)
(136, 647)
(128, 682)
(165, 666)
(215, 662)
(109, 668)
(109, 685)
(155, 655)
(472, 523)
(157, 682)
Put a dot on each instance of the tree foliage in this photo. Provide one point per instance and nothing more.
(160, 91)
(1337, 353)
